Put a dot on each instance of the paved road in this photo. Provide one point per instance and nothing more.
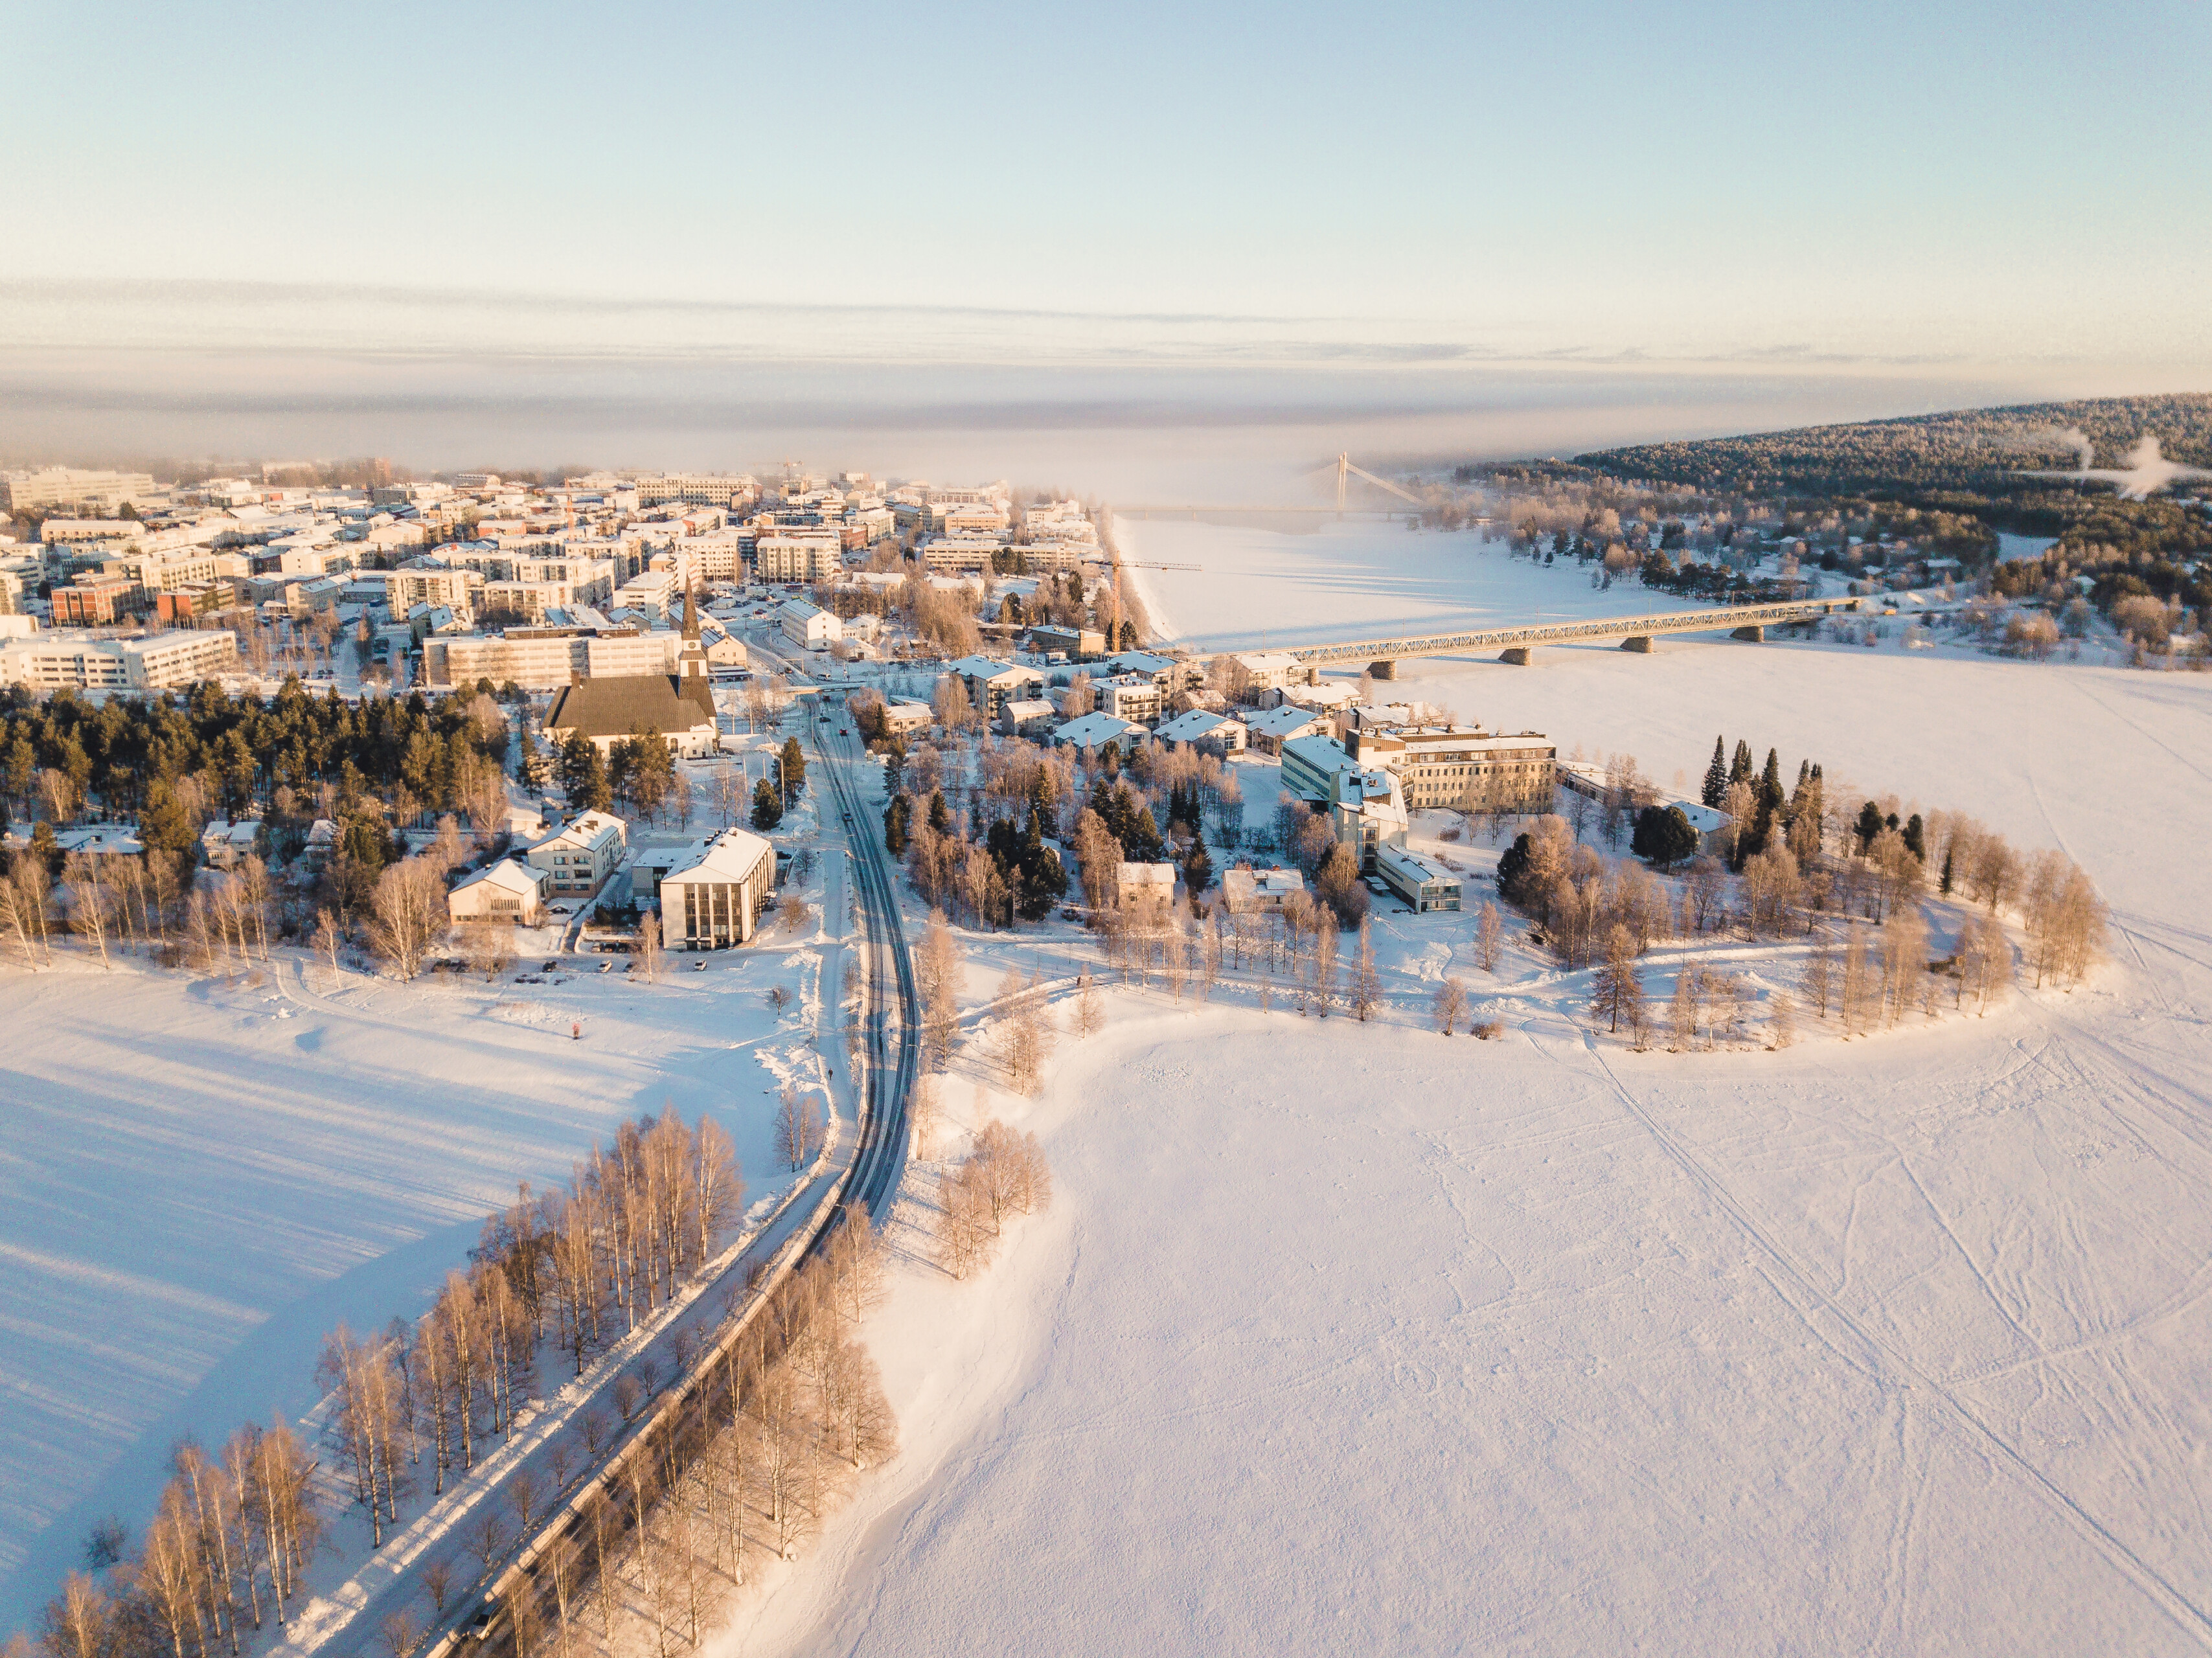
(349, 1621)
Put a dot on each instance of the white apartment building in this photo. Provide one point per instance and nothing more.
(947, 554)
(1129, 696)
(546, 660)
(66, 486)
(697, 489)
(713, 898)
(60, 532)
(787, 554)
(809, 625)
(48, 659)
(433, 584)
(583, 853)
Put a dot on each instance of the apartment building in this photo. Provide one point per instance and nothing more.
(991, 683)
(697, 489)
(953, 555)
(96, 601)
(410, 585)
(1129, 696)
(785, 555)
(66, 486)
(1461, 765)
(809, 625)
(583, 853)
(48, 659)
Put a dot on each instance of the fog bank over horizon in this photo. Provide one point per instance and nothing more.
(1147, 432)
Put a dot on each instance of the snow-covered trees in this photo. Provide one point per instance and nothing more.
(1616, 989)
(1449, 1005)
(1005, 1174)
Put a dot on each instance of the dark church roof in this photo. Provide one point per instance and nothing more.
(621, 704)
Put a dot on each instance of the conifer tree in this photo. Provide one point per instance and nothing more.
(768, 809)
(1739, 764)
(1716, 778)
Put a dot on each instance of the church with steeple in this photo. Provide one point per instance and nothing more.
(678, 708)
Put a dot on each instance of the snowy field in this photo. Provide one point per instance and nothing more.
(1350, 581)
(201, 1179)
(1344, 1336)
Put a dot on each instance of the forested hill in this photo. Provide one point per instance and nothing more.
(1967, 451)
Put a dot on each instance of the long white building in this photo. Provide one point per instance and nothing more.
(50, 659)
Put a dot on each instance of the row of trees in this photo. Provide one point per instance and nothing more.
(758, 1458)
(233, 1533)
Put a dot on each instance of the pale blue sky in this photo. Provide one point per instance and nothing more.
(1893, 181)
(2004, 199)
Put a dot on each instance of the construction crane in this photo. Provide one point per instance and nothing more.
(1344, 468)
(1145, 564)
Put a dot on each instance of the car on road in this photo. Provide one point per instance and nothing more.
(479, 1627)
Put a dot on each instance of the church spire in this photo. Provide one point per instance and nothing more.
(691, 611)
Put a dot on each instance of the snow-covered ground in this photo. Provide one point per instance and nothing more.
(201, 1179)
(1346, 1337)
(1350, 581)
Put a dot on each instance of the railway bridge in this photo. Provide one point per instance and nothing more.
(1513, 645)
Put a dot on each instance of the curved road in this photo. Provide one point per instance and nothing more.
(350, 1619)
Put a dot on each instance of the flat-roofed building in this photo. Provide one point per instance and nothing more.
(51, 659)
(1128, 696)
(68, 486)
(1461, 766)
(1076, 644)
(797, 555)
(95, 601)
(1422, 882)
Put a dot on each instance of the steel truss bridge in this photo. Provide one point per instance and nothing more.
(1513, 645)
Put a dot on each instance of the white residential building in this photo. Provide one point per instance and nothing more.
(799, 555)
(505, 892)
(48, 659)
(579, 855)
(809, 625)
(1198, 727)
(1246, 890)
(713, 898)
(1128, 696)
(1143, 889)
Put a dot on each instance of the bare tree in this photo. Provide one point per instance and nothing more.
(651, 959)
(1450, 1006)
(1489, 931)
(407, 909)
(798, 1127)
(399, 1633)
(1366, 982)
(329, 939)
(437, 1576)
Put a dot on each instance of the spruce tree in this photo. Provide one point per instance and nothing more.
(1770, 781)
(768, 809)
(897, 816)
(1716, 778)
(791, 767)
(1870, 823)
(1739, 764)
